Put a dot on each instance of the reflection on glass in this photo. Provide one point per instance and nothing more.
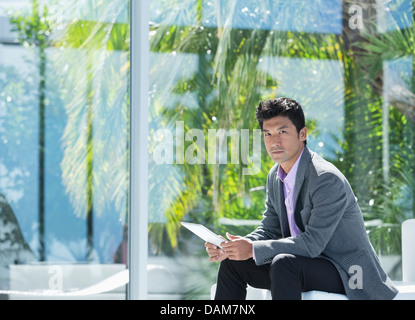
(320, 16)
(322, 81)
(394, 14)
(64, 74)
(64, 129)
(348, 63)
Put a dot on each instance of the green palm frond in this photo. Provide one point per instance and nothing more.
(92, 104)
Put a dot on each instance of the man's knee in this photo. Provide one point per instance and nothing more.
(286, 278)
(226, 264)
(282, 263)
(229, 266)
(236, 265)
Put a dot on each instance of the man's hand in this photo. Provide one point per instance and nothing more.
(215, 253)
(238, 248)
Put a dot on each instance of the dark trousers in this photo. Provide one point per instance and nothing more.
(287, 276)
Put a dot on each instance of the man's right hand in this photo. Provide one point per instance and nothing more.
(215, 253)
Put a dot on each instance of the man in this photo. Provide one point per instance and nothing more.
(312, 235)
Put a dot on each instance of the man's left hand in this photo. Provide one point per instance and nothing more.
(238, 248)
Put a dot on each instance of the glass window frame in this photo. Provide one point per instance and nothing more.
(138, 217)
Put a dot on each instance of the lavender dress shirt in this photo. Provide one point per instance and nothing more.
(288, 181)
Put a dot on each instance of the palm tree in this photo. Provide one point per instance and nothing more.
(34, 31)
(95, 141)
(386, 58)
(228, 83)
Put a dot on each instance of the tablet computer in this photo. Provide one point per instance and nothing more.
(202, 232)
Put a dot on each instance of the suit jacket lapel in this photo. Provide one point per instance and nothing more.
(299, 181)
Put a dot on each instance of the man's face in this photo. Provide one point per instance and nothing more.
(283, 143)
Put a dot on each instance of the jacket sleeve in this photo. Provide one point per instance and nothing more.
(270, 225)
(328, 199)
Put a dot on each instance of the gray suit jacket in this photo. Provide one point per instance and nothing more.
(327, 213)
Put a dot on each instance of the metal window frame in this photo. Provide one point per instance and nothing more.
(138, 199)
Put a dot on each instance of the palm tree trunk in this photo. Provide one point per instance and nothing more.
(356, 82)
(42, 87)
(89, 165)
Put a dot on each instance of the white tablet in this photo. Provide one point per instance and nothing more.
(204, 233)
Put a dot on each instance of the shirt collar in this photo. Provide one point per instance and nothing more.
(290, 177)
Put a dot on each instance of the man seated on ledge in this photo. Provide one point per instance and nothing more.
(312, 235)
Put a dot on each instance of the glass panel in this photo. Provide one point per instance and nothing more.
(64, 134)
(350, 64)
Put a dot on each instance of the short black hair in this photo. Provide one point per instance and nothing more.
(283, 106)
